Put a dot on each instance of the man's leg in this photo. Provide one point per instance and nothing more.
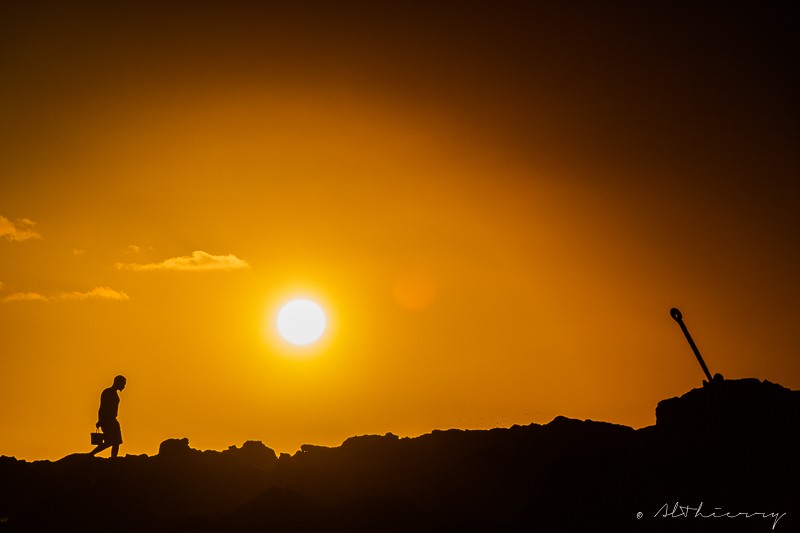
(99, 448)
(114, 450)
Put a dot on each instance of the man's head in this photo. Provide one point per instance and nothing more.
(119, 382)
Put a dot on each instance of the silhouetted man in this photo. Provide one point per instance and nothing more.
(107, 417)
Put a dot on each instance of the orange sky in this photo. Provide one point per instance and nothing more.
(496, 206)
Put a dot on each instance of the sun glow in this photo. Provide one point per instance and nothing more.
(301, 322)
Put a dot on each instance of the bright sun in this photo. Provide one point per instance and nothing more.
(301, 321)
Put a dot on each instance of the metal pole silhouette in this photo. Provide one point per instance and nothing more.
(676, 314)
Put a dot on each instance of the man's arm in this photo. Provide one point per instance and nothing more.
(102, 413)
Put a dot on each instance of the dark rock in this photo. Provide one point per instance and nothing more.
(731, 406)
(176, 449)
(252, 453)
(731, 444)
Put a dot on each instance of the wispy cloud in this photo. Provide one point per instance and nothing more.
(98, 293)
(21, 230)
(199, 260)
(25, 297)
(2, 285)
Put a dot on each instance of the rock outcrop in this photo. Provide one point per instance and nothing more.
(729, 446)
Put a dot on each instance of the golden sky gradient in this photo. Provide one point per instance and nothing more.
(496, 206)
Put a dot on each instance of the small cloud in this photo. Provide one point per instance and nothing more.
(25, 297)
(2, 285)
(22, 230)
(76, 253)
(133, 249)
(199, 260)
(98, 293)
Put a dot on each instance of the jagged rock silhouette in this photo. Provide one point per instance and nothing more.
(730, 445)
(731, 406)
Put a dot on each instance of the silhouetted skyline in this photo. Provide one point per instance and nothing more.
(719, 458)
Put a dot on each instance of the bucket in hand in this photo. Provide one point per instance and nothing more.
(97, 438)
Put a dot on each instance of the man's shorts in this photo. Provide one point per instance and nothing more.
(112, 433)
